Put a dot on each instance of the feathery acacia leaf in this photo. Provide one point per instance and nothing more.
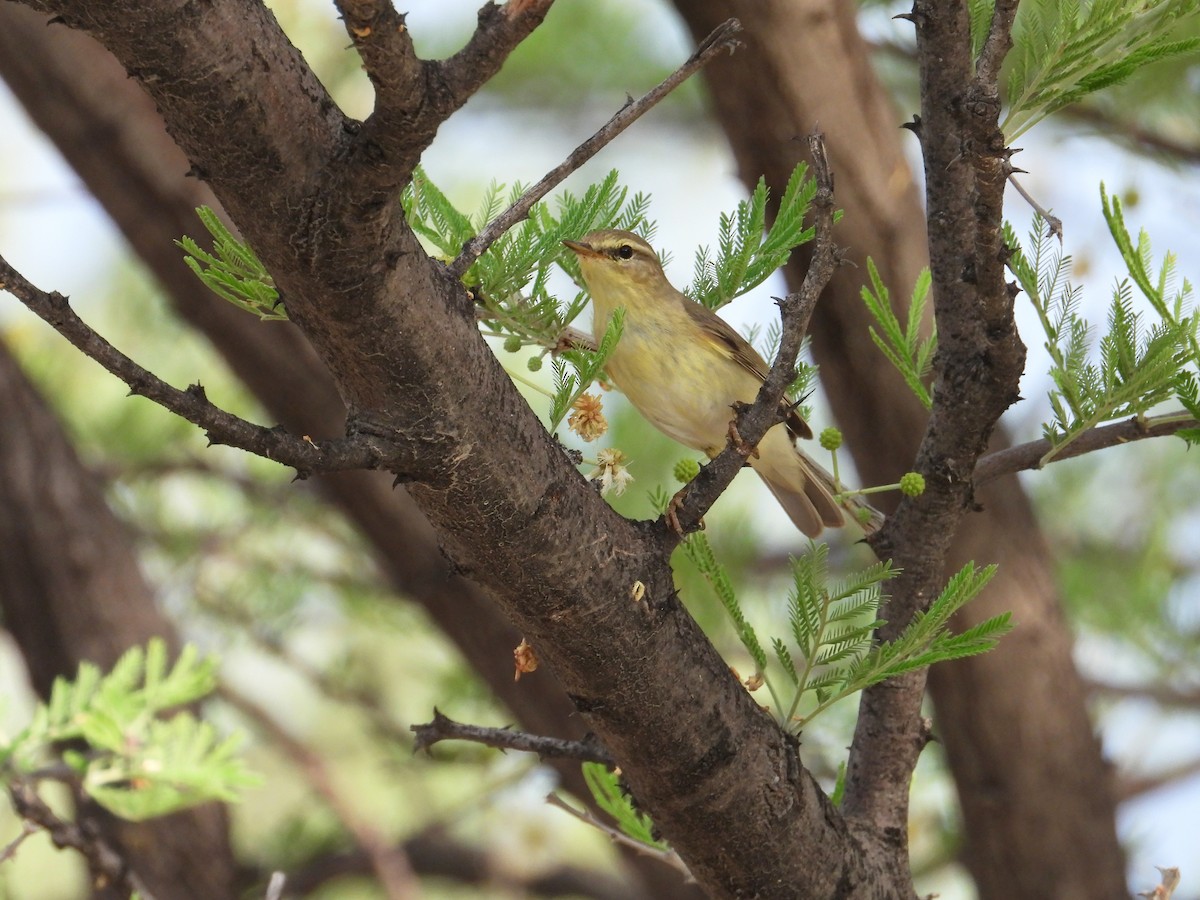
(136, 764)
(1064, 50)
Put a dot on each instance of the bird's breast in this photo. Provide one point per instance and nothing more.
(682, 385)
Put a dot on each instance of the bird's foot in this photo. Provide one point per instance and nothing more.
(744, 449)
(672, 514)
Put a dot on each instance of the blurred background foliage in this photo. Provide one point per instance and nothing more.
(252, 565)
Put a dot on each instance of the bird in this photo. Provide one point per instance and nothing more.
(683, 367)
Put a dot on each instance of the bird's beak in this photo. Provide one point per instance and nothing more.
(581, 249)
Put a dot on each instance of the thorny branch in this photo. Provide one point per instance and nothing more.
(107, 866)
(1029, 455)
(443, 728)
(220, 426)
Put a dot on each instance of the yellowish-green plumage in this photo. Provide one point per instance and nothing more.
(683, 366)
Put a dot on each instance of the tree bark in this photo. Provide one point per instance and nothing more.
(108, 130)
(72, 592)
(317, 196)
(1037, 795)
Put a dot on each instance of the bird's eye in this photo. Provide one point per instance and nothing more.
(625, 251)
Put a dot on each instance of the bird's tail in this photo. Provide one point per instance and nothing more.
(806, 491)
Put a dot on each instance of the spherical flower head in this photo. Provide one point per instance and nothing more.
(912, 484)
(588, 420)
(534, 363)
(512, 343)
(611, 472)
(685, 470)
(831, 439)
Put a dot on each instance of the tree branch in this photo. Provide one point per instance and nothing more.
(220, 426)
(382, 39)
(796, 309)
(106, 864)
(413, 97)
(998, 43)
(722, 38)
(977, 370)
(443, 728)
(1029, 455)
(500, 30)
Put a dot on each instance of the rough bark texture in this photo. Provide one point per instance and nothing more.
(71, 592)
(108, 130)
(316, 196)
(1037, 796)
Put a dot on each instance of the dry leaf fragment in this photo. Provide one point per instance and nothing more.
(525, 659)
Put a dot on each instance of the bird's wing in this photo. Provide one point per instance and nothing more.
(723, 335)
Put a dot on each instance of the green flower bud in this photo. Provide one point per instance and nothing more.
(535, 364)
(512, 343)
(830, 439)
(912, 484)
(685, 470)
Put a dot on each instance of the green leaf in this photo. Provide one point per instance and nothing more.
(135, 763)
(903, 346)
(1064, 50)
(747, 254)
(699, 551)
(610, 797)
(232, 272)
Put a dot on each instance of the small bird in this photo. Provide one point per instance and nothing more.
(683, 367)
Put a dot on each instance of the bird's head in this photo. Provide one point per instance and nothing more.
(619, 267)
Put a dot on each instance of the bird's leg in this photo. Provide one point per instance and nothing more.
(744, 450)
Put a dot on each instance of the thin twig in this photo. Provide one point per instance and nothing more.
(1130, 787)
(27, 829)
(220, 426)
(500, 29)
(1029, 455)
(1053, 222)
(275, 886)
(722, 38)
(670, 857)
(1162, 694)
(443, 728)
